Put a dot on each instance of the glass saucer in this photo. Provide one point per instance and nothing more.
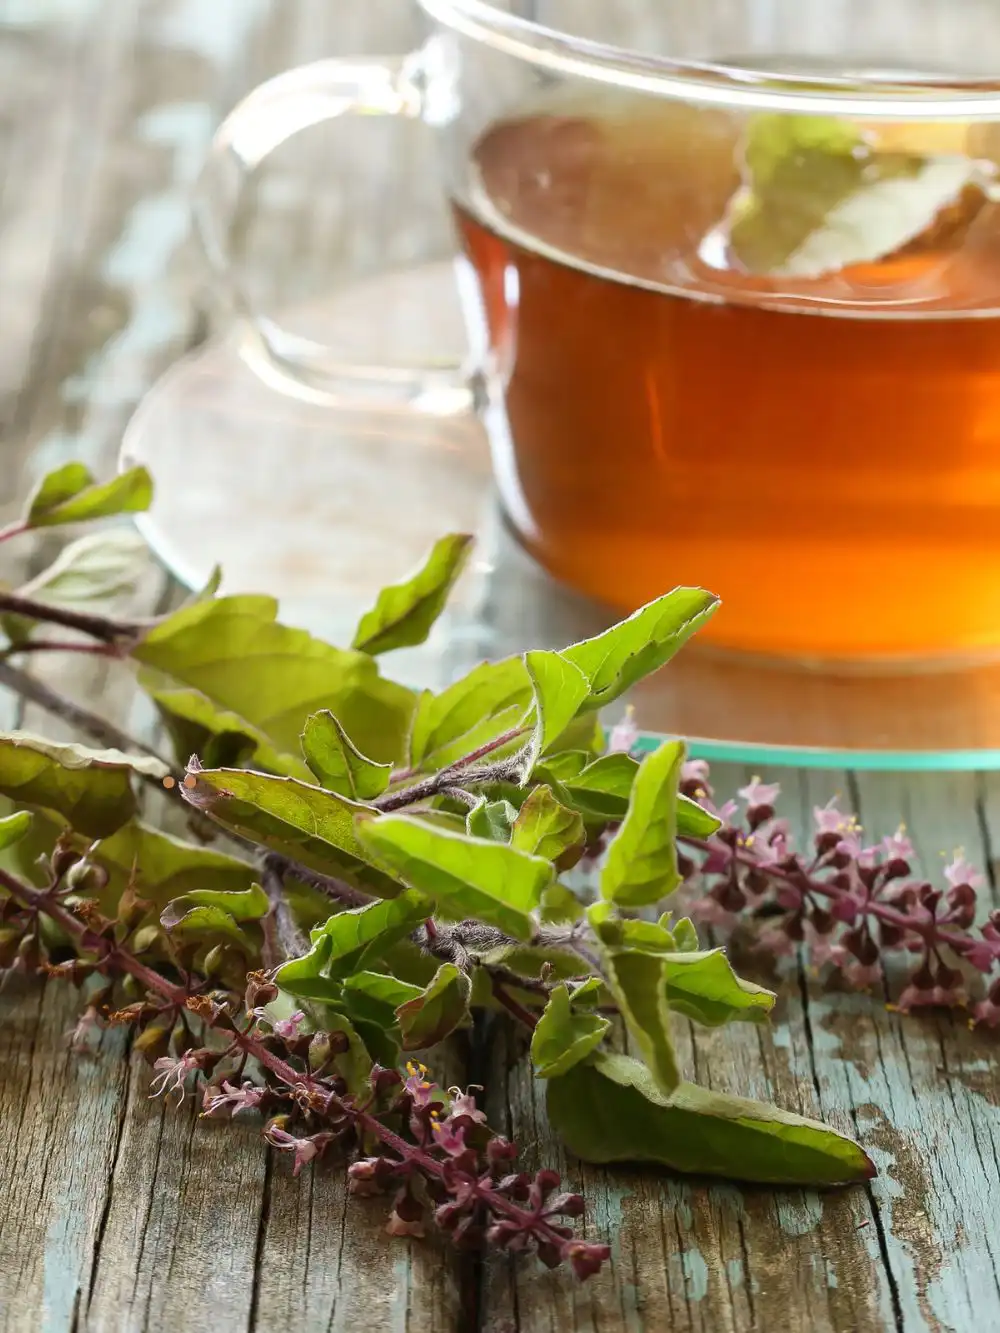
(321, 506)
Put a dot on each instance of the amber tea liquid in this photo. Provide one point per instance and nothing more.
(826, 458)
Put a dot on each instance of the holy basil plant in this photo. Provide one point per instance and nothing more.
(364, 867)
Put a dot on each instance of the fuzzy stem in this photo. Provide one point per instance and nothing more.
(15, 529)
(41, 901)
(63, 646)
(118, 633)
(489, 748)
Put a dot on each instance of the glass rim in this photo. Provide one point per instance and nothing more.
(714, 84)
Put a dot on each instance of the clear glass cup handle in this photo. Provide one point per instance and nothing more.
(269, 116)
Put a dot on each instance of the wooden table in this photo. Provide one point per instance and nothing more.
(119, 1214)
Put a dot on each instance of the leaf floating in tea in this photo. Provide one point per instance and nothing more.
(820, 196)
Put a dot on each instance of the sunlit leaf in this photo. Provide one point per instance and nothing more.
(641, 863)
(544, 827)
(13, 828)
(337, 762)
(638, 981)
(92, 789)
(386, 990)
(165, 867)
(703, 986)
(234, 651)
(610, 1110)
(432, 1015)
(220, 738)
(210, 923)
(693, 821)
(563, 1036)
(404, 614)
(559, 689)
(248, 904)
(819, 196)
(640, 645)
(70, 495)
(85, 574)
(602, 789)
(492, 819)
(307, 976)
(299, 821)
(361, 936)
(466, 877)
(483, 706)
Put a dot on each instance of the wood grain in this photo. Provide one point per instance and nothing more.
(119, 1213)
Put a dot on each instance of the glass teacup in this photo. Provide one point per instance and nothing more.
(731, 277)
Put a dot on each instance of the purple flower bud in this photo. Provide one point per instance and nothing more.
(585, 1258)
(500, 1150)
(567, 1205)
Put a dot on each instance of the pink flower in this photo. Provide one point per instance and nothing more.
(88, 1025)
(757, 793)
(898, 847)
(961, 871)
(418, 1086)
(696, 770)
(777, 942)
(398, 1226)
(288, 1028)
(246, 1098)
(447, 1137)
(304, 1149)
(934, 997)
(708, 911)
(624, 735)
(828, 819)
(861, 975)
(172, 1074)
(986, 1011)
(464, 1104)
(985, 952)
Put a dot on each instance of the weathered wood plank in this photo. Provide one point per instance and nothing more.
(118, 1213)
(913, 1252)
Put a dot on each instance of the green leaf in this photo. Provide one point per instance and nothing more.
(404, 614)
(337, 762)
(13, 828)
(560, 905)
(92, 789)
(563, 1037)
(492, 820)
(490, 701)
(602, 789)
(615, 660)
(306, 976)
(544, 827)
(610, 1110)
(641, 863)
(685, 935)
(693, 821)
(93, 570)
(165, 867)
(704, 987)
(299, 821)
(235, 652)
(355, 1064)
(566, 765)
(385, 989)
(560, 689)
(208, 922)
(248, 904)
(361, 936)
(638, 981)
(70, 495)
(819, 196)
(432, 1015)
(623, 933)
(221, 739)
(466, 877)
